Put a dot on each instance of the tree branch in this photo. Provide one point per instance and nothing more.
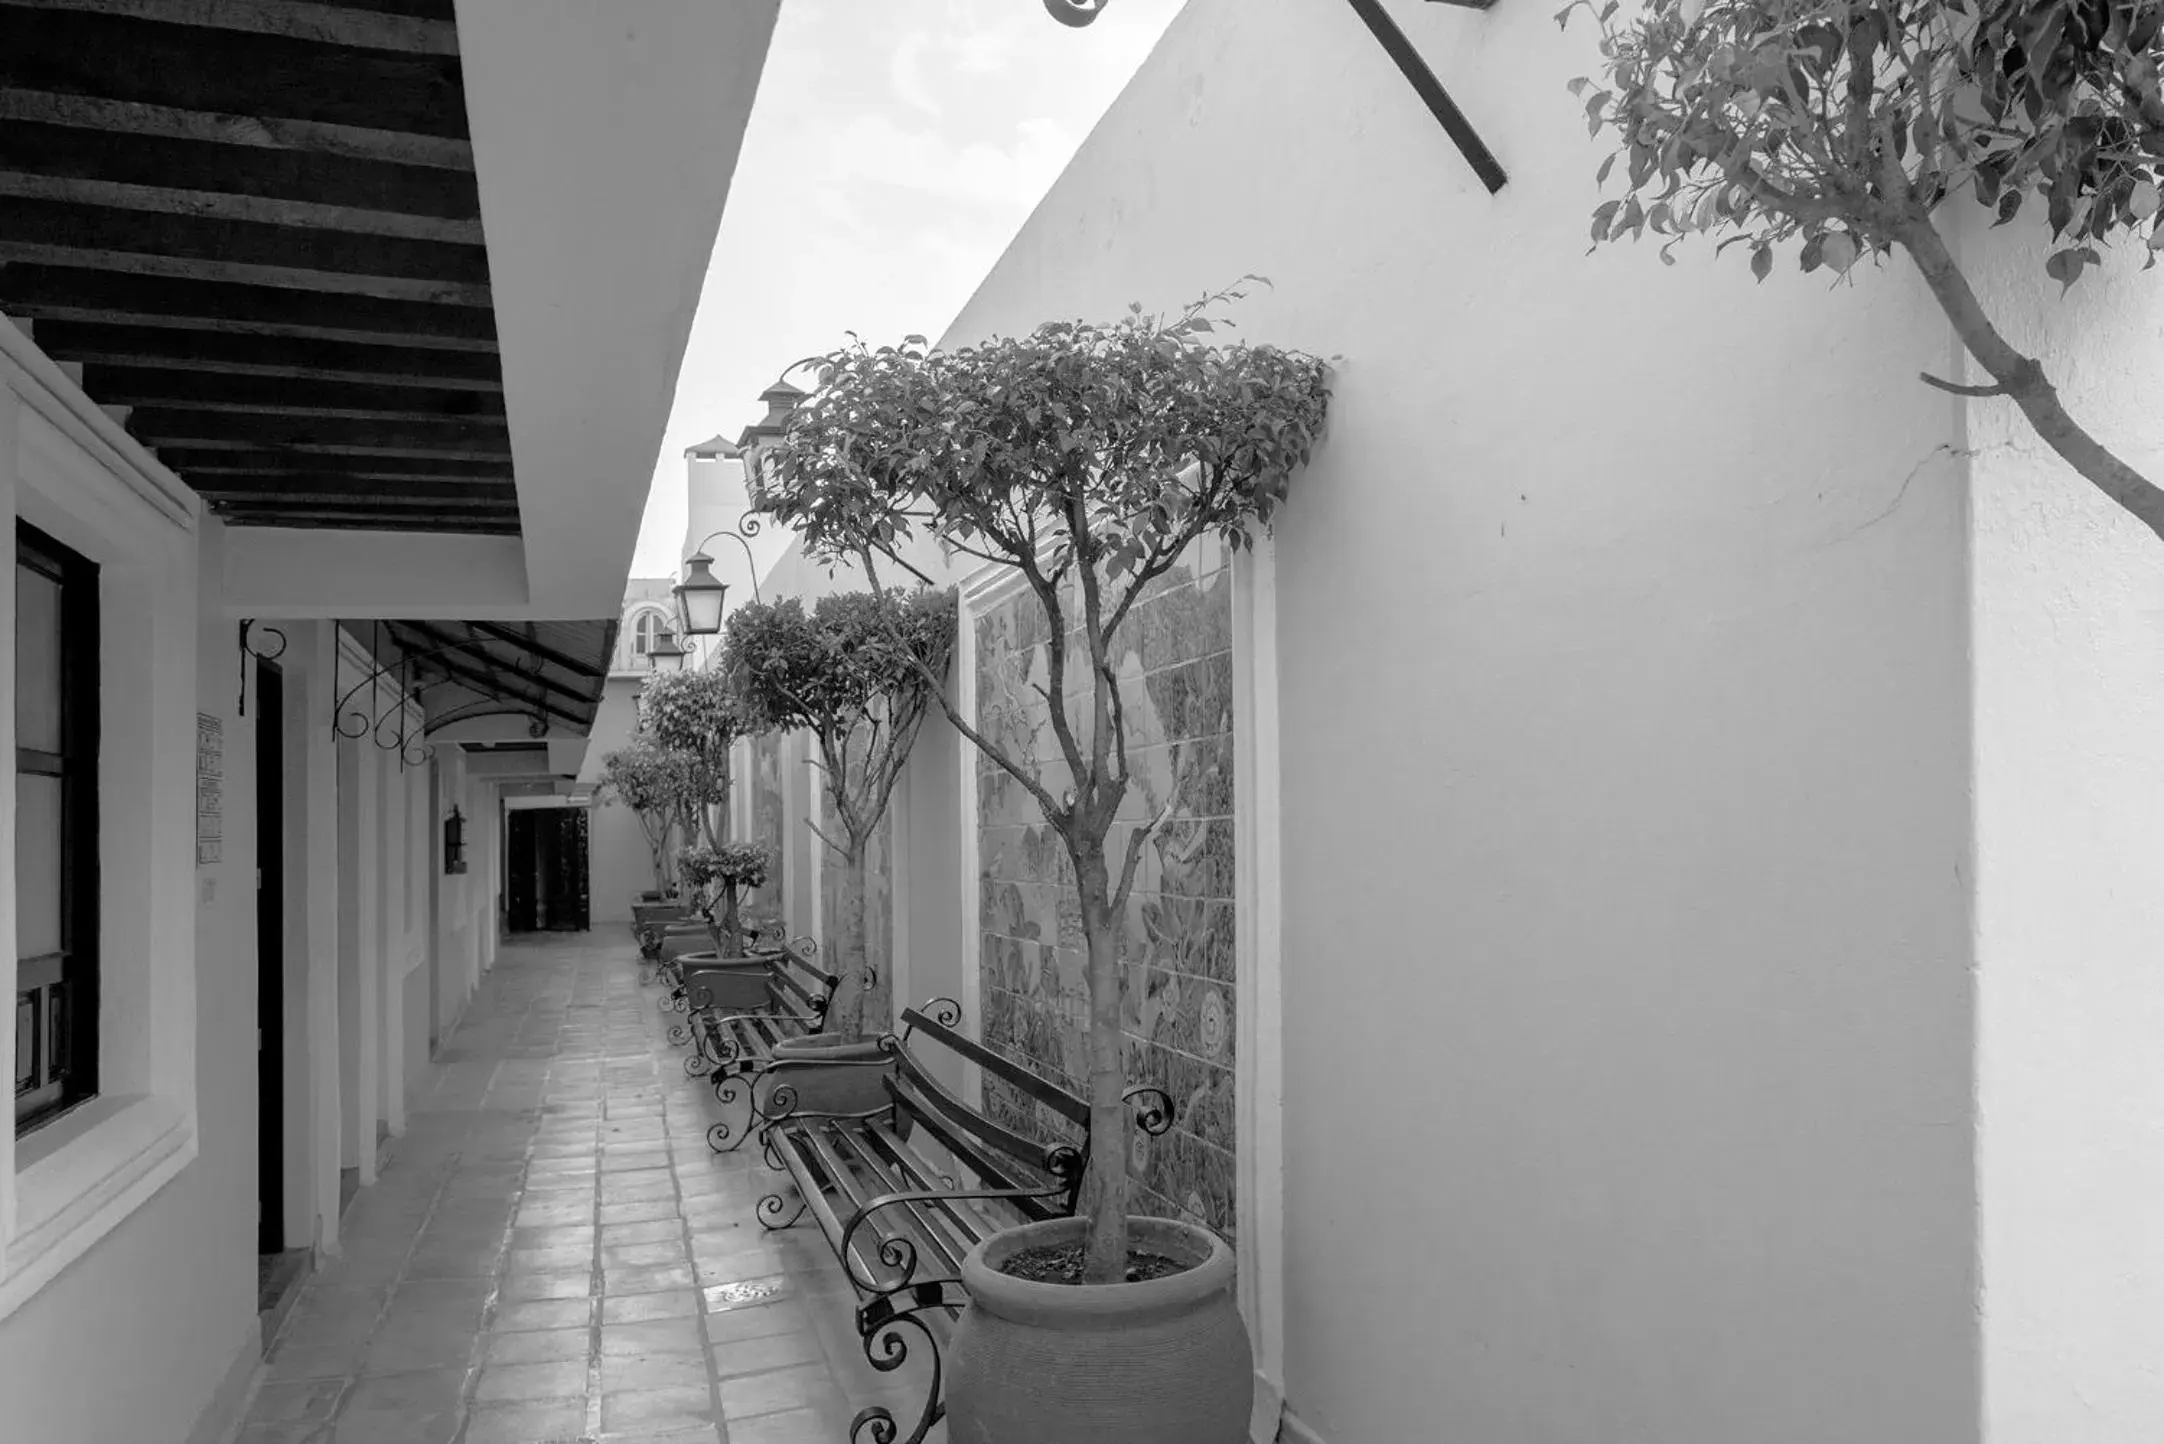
(1958, 389)
(2022, 379)
(936, 688)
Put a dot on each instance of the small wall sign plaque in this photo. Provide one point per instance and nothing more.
(209, 789)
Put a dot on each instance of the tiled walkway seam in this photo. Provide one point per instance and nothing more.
(553, 1254)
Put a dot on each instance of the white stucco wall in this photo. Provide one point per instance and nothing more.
(187, 1253)
(2069, 609)
(1625, 760)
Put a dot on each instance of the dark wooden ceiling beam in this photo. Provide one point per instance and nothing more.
(306, 520)
(361, 509)
(347, 454)
(184, 67)
(148, 386)
(66, 293)
(97, 315)
(228, 206)
(139, 263)
(291, 19)
(114, 158)
(344, 489)
(237, 463)
(273, 246)
(457, 437)
(153, 348)
(305, 138)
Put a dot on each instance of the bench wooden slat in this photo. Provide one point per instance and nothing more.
(965, 1221)
(830, 1145)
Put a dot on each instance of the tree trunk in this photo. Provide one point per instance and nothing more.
(1104, 1188)
(850, 961)
(731, 927)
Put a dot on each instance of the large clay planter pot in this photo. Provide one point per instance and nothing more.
(1162, 1362)
(855, 1088)
(728, 985)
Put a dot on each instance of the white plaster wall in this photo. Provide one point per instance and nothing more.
(172, 1289)
(619, 866)
(1627, 1001)
(2069, 639)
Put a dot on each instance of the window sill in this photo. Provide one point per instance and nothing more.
(77, 1178)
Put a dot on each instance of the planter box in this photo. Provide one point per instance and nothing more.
(825, 1073)
(727, 985)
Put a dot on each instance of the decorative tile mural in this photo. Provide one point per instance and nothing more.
(766, 821)
(1174, 657)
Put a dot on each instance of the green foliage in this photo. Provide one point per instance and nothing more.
(646, 778)
(659, 786)
(740, 864)
(696, 715)
(1850, 124)
(1089, 456)
(1842, 121)
(1114, 445)
(853, 654)
(859, 670)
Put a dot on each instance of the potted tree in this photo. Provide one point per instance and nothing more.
(857, 671)
(1089, 457)
(730, 977)
(697, 715)
(651, 782)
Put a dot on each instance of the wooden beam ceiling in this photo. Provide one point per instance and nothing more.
(254, 225)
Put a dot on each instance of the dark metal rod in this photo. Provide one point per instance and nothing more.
(1431, 90)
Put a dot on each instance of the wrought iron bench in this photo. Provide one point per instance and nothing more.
(884, 1189)
(736, 1020)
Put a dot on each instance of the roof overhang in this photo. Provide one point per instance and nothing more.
(602, 139)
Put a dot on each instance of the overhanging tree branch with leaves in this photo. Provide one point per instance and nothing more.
(859, 671)
(1089, 457)
(1854, 126)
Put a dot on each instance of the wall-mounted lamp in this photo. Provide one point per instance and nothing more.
(454, 841)
(666, 655)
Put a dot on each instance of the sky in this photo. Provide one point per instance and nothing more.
(894, 149)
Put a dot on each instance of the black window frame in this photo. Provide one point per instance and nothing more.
(42, 1092)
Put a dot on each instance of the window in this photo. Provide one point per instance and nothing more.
(56, 828)
(645, 633)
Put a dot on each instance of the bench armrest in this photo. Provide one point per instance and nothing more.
(899, 1252)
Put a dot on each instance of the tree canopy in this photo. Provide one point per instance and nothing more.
(1089, 457)
(1848, 126)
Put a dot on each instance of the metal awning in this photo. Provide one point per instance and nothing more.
(545, 677)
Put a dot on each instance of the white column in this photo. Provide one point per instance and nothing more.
(392, 842)
(312, 922)
(10, 410)
(358, 955)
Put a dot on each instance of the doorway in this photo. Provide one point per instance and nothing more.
(545, 884)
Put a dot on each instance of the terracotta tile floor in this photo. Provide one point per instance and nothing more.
(553, 1254)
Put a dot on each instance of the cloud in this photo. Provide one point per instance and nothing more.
(905, 71)
(874, 149)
